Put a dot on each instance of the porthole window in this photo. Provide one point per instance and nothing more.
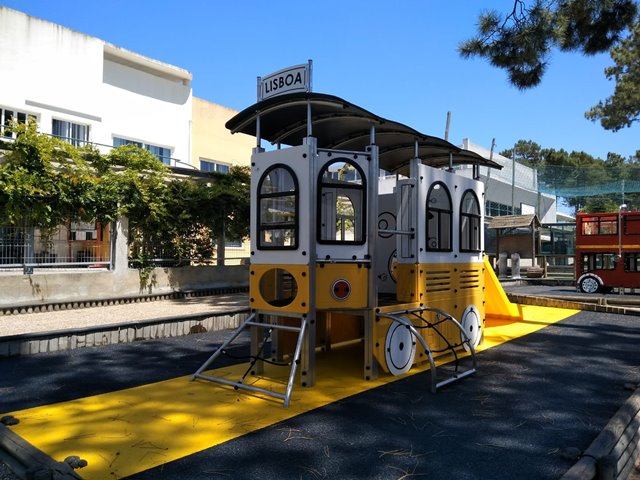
(470, 222)
(341, 203)
(438, 218)
(278, 209)
(278, 287)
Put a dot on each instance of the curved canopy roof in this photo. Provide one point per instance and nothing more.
(340, 125)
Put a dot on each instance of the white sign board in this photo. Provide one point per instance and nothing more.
(288, 80)
(527, 209)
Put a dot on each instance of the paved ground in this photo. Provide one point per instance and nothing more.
(531, 400)
(5, 473)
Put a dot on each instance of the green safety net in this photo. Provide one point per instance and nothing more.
(576, 181)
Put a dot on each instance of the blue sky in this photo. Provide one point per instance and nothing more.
(397, 59)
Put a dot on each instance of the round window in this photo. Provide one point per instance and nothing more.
(278, 287)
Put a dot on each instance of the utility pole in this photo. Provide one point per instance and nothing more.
(446, 128)
(513, 181)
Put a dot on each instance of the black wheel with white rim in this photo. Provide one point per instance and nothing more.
(589, 284)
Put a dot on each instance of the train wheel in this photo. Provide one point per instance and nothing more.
(589, 284)
(472, 326)
(399, 348)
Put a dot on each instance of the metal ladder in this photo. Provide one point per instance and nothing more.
(252, 322)
(400, 316)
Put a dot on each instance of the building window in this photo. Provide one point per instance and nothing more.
(73, 133)
(495, 209)
(438, 218)
(211, 166)
(161, 153)
(7, 116)
(341, 204)
(470, 222)
(278, 209)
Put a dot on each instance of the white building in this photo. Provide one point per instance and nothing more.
(512, 190)
(87, 90)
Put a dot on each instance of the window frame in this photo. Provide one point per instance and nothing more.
(608, 261)
(69, 127)
(473, 218)
(145, 146)
(296, 219)
(629, 258)
(215, 164)
(362, 188)
(15, 114)
(439, 212)
(596, 221)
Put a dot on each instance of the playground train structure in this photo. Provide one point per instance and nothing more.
(362, 230)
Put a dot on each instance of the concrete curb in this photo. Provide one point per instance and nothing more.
(557, 302)
(124, 332)
(103, 302)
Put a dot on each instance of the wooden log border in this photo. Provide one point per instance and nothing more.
(615, 452)
(27, 462)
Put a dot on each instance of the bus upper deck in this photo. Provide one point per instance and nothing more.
(607, 251)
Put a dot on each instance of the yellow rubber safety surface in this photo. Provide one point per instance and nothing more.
(125, 432)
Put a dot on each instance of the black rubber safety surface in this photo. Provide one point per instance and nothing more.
(530, 402)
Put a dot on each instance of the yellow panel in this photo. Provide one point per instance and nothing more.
(125, 432)
(451, 288)
(406, 276)
(356, 275)
(265, 274)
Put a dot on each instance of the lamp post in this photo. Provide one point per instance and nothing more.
(621, 208)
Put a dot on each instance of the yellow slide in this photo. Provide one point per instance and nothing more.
(497, 304)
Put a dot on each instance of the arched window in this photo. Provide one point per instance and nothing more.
(341, 203)
(470, 222)
(438, 218)
(278, 209)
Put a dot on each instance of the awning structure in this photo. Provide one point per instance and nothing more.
(515, 221)
(340, 125)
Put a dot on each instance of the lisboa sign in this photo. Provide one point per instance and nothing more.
(287, 80)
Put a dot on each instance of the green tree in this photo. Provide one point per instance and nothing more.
(45, 183)
(521, 42)
(623, 107)
(600, 203)
(632, 182)
(526, 152)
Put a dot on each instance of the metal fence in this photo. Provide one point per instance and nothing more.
(76, 245)
(197, 249)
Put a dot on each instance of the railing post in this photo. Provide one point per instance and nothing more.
(119, 245)
(27, 260)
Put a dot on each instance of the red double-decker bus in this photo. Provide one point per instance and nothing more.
(607, 251)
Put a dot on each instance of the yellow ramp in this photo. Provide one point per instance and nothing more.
(497, 303)
(128, 431)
